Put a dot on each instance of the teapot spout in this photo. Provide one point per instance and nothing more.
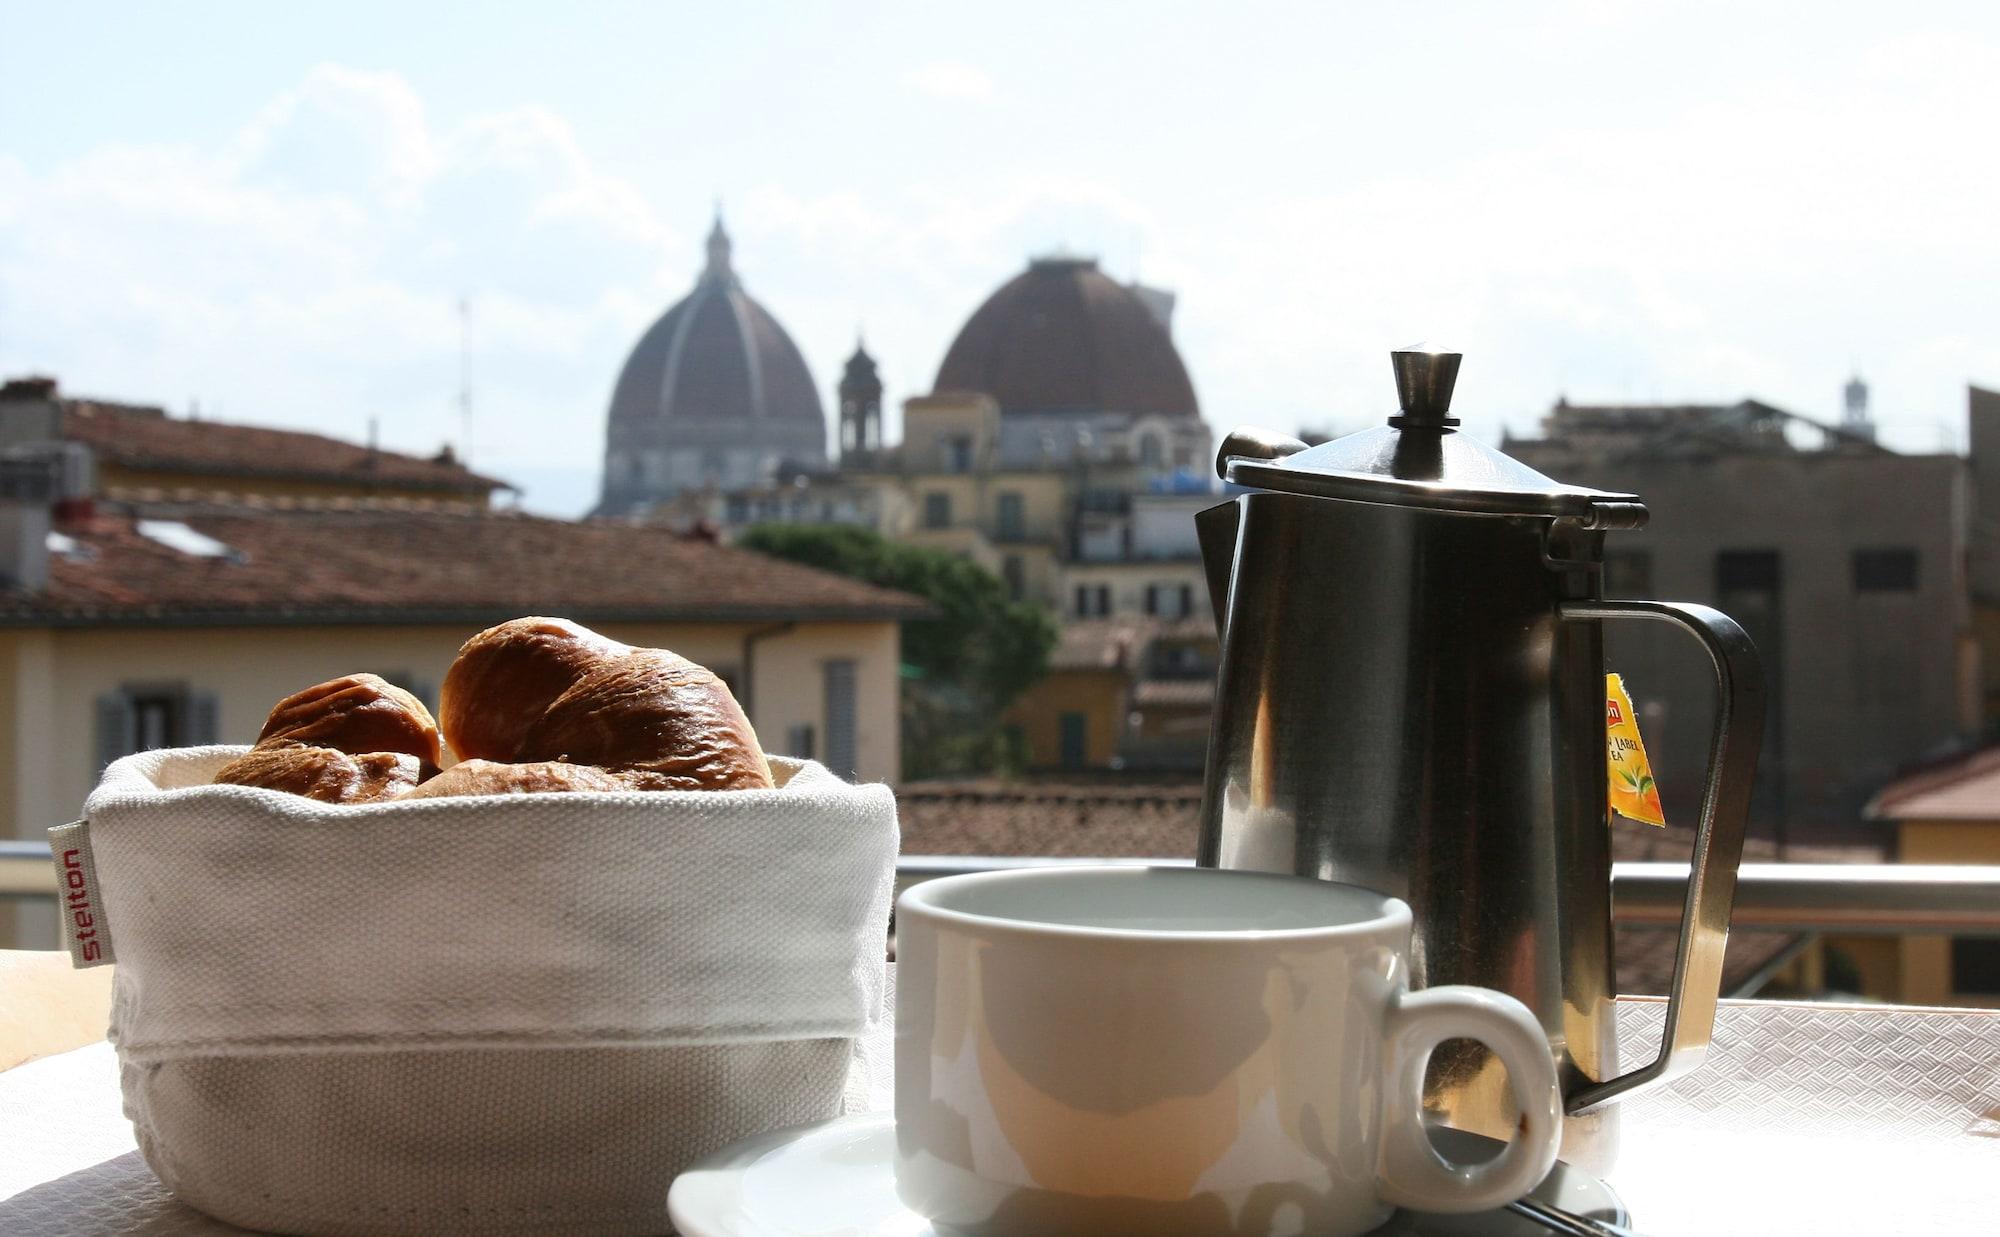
(1216, 528)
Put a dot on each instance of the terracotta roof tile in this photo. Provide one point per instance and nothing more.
(148, 439)
(1965, 786)
(363, 562)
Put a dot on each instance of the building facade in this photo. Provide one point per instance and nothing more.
(715, 395)
(1846, 563)
(1062, 448)
(133, 624)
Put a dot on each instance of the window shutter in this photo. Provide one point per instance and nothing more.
(839, 681)
(203, 712)
(117, 725)
(799, 742)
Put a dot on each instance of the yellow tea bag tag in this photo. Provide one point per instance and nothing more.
(1633, 793)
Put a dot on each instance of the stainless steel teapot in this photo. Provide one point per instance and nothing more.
(1411, 697)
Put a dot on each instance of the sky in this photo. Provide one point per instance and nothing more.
(272, 213)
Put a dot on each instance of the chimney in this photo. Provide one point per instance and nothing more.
(27, 491)
(30, 414)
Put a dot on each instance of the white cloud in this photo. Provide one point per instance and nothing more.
(307, 271)
(951, 79)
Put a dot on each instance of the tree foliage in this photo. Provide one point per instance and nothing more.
(963, 666)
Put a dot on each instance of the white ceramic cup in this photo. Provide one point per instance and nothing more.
(1184, 1051)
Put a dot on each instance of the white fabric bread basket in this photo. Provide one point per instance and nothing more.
(503, 1014)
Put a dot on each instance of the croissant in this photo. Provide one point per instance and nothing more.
(355, 713)
(324, 774)
(488, 777)
(354, 739)
(539, 690)
(505, 677)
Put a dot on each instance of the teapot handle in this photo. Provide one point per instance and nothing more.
(1718, 843)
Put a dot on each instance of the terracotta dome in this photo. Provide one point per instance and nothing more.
(1063, 337)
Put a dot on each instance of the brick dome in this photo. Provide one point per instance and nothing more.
(1063, 337)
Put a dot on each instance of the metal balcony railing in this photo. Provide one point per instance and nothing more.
(1838, 899)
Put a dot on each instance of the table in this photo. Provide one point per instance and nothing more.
(1805, 1119)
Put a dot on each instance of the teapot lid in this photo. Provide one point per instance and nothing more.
(1419, 459)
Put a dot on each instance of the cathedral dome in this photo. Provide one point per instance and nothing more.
(716, 353)
(715, 392)
(1063, 337)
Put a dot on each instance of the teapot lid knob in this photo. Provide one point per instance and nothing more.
(1424, 379)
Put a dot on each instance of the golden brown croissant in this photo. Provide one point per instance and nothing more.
(355, 713)
(505, 677)
(489, 777)
(324, 774)
(539, 689)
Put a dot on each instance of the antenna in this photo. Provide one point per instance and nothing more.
(465, 379)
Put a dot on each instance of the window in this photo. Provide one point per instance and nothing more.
(140, 717)
(1888, 570)
(1010, 517)
(1016, 578)
(958, 453)
(1628, 573)
(1093, 600)
(1073, 748)
(1173, 601)
(799, 742)
(1150, 453)
(1746, 571)
(937, 510)
(840, 724)
(1749, 587)
(1975, 966)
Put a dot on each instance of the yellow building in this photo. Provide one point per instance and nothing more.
(156, 625)
(135, 451)
(1126, 694)
(1948, 813)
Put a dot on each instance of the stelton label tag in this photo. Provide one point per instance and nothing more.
(85, 930)
(1634, 794)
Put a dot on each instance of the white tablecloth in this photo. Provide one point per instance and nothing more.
(1821, 1120)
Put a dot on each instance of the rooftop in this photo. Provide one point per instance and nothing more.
(1119, 643)
(363, 562)
(145, 439)
(1961, 787)
(1690, 429)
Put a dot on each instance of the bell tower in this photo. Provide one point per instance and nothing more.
(860, 404)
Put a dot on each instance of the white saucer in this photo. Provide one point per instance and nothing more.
(838, 1179)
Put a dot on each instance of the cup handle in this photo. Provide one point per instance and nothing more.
(1412, 1173)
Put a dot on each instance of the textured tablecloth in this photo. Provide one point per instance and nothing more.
(1805, 1119)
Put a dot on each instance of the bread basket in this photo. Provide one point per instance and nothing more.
(507, 1015)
